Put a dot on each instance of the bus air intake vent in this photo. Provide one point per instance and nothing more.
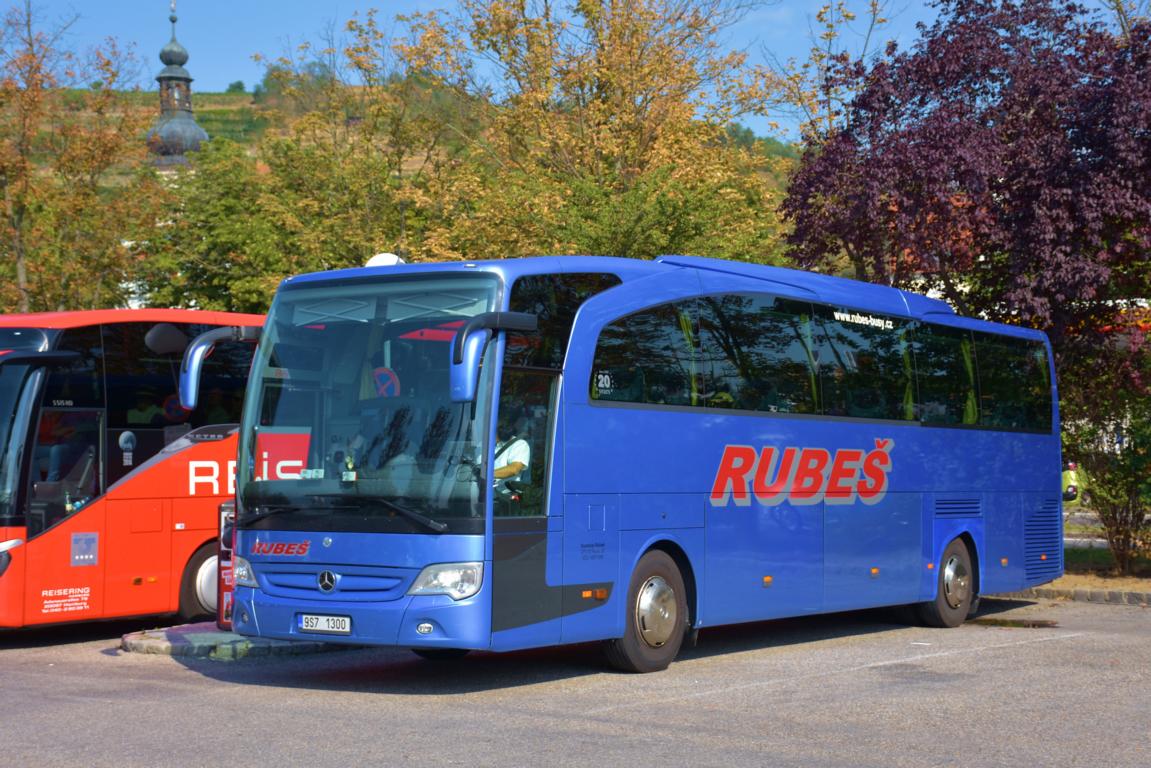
(1043, 542)
(968, 507)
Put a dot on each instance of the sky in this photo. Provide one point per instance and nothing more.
(222, 36)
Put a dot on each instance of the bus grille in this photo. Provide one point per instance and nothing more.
(1043, 542)
(352, 584)
(960, 507)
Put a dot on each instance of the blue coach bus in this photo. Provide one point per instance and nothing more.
(513, 454)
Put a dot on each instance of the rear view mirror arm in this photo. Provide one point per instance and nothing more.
(199, 349)
(494, 321)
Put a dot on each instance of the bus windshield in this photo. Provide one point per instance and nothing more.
(349, 425)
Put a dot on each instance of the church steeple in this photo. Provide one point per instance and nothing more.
(176, 131)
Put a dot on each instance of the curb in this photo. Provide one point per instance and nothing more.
(1107, 596)
(206, 641)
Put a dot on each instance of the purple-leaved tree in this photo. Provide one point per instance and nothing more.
(1004, 160)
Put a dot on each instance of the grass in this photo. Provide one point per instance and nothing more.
(1100, 562)
(1080, 531)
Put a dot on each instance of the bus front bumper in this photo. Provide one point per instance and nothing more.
(421, 621)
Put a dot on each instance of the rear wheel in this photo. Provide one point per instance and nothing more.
(656, 617)
(198, 586)
(955, 596)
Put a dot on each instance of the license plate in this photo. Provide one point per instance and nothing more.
(325, 625)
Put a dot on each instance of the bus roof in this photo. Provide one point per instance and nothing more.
(81, 318)
(838, 291)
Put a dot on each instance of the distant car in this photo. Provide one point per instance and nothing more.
(1072, 485)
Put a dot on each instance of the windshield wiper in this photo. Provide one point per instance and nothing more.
(261, 511)
(332, 502)
(411, 514)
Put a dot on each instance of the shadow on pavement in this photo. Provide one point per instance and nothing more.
(399, 671)
(85, 632)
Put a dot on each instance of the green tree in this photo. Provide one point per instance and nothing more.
(604, 130)
(1107, 429)
(76, 191)
(236, 87)
(219, 250)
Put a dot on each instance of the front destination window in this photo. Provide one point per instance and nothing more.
(351, 426)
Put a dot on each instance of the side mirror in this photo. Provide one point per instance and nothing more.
(198, 350)
(468, 347)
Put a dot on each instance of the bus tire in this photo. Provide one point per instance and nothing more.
(656, 619)
(954, 590)
(198, 586)
(441, 654)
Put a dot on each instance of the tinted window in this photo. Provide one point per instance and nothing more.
(649, 357)
(554, 299)
(945, 370)
(142, 384)
(66, 472)
(527, 401)
(81, 383)
(757, 354)
(865, 364)
(222, 380)
(23, 339)
(1014, 383)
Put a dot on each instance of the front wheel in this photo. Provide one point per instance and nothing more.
(198, 587)
(656, 617)
(955, 596)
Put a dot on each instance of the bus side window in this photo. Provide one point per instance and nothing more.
(660, 342)
(225, 374)
(866, 365)
(143, 406)
(758, 354)
(1014, 387)
(554, 300)
(945, 373)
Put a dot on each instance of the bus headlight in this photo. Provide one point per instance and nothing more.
(242, 573)
(456, 580)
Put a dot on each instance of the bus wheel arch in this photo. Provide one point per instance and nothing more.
(198, 584)
(676, 553)
(976, 579)
(656, 617)
(955, 586)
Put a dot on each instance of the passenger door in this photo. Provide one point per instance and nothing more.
(526, 597)
(64, 554)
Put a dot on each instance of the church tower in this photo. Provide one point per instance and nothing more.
(176, 132)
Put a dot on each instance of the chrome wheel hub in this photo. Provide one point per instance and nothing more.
(656, 613)
(956, 582)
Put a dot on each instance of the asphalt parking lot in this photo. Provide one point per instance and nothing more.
(1028, 683)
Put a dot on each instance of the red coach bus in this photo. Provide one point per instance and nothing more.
(109, 489)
